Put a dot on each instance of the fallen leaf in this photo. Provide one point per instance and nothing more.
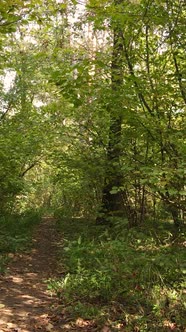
(49, 327)
(2, 305)
(79, 322)
(66, 326)
(106, 329)
(11, 325)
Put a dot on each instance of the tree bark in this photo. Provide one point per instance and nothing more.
(112, 201)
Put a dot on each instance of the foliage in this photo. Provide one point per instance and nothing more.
(58, 118)
(136, 277)
(92, 125)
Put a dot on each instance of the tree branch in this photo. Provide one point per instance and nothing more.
(131, 71)
(29, 168)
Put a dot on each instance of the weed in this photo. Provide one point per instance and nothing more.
(15, 234)
(135, 270)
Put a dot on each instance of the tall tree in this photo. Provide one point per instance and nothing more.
(112, 200)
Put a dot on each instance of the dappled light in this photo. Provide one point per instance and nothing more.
(92, 165)
(23, 294)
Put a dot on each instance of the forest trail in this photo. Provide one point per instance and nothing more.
(24, 300)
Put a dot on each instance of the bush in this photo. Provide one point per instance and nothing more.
(113, 269)
(137, 270)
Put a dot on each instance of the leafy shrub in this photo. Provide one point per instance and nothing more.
(115, 268)
(136, 269)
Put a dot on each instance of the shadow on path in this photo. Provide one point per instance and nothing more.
(24, 300)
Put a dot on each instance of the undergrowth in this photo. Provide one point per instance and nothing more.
(134, 280)
(15, 234)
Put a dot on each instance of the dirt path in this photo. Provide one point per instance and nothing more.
(24, 301)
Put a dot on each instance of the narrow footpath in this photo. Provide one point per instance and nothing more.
(25, 303)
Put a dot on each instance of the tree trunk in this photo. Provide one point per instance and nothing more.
(112, 199)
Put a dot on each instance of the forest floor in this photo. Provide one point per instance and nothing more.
(25, 303)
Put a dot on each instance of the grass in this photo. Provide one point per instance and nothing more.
(15, 235)
(131, 279)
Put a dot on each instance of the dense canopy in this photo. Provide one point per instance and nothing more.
(92, 107)
(92, 137)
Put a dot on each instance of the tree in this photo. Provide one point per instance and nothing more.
(107, 86)
(112, 200)
(147, 72)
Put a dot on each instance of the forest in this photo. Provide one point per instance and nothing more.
(92, 134)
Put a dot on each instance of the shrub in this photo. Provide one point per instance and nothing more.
(136, 269)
